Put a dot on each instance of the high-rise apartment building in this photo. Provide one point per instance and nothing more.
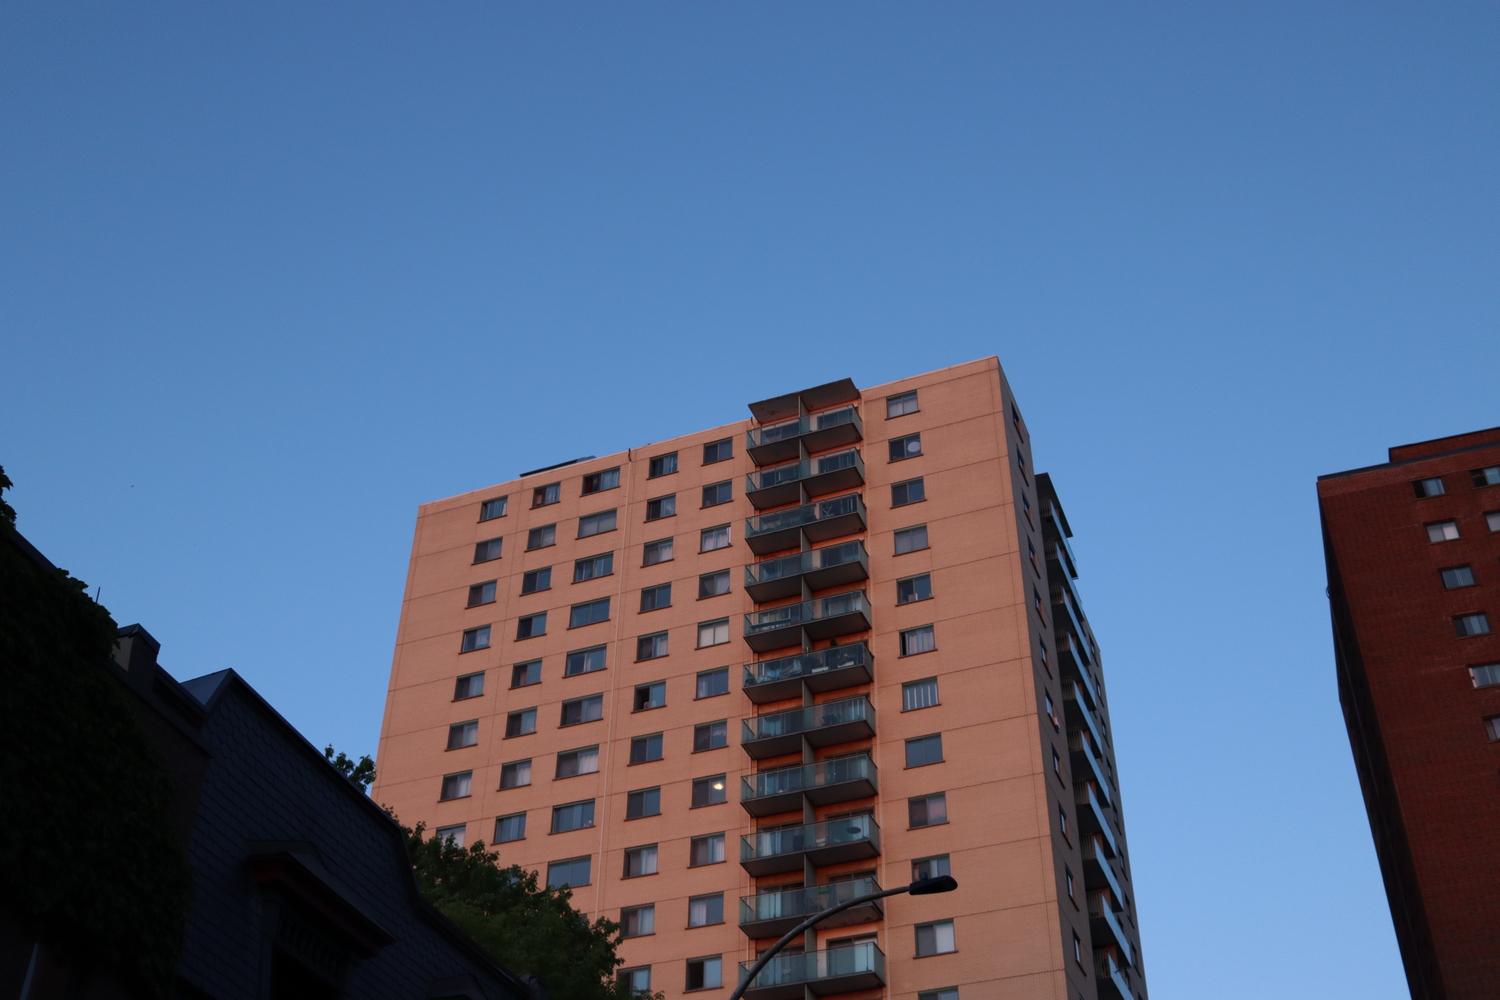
(1413, 552)
(716, 683)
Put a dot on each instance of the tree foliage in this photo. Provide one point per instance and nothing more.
(361, 772)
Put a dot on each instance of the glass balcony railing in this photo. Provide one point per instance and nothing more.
(1097, 871)
(771, 852)
(830, 566)
(1111, 978)
(823, 783)
(819, 521)
(821, 618)
(779, 442)
(1093, 817)
(836, 970)
(784, 484)
(822, 670)
(824, 725)
(1087, 765)
(1104, 926)
(772, 914)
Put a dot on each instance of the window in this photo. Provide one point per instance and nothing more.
(482, 593)
(1443, 531)
(648, 696)
(707, 850)
(1428, 487)
(593, 567)
(509, 828)
(1015, 420)
(662, 465)
(1021, 464)
(906, 447)
(596, 524)
(951, 993)
(929, 867)
(644, 749)
(1077, 949)
(580, 710)
(656, 598)
(713, 584)
(1031, 554)
(1467, 625)
(712, 735)
(706, 910)
(637, 921)
(516, 774)
(644, 802)
(572, 763)
(543, 495)
(714, 633)
(526, 674)
(935, 939)
(717, 493)
(911, 539)
(924, 750)
(491, 509)
(710, 791)
(712, 683)
(453, 833)
(900, 406)
(1062, 822)
(913, 588)
(918, 640)
(1056, 764)
(1045, 661)
(1492, 520)
(578, 871)
(713, 538)
(637, 980)
(911, 491)
(718, 451)
(531, 626)
(927, 810)
(574, 816)
(522, 723)
(463, 734)
(536, 579)
(650, 647)
(540, 538)
(589, 613)
(1487, 476)
(919, 694)
(1068, 883)
(705, 973)
(476, 638)
(640, 861)
(1457, 576)
(584, 661)
(1485, 676)
(598, 482)
(1492, 728)
(488, 549)
(661, 507)
(1051, 710)
(469, 686)
(456, 786)
(1036, 602)
(659, 551)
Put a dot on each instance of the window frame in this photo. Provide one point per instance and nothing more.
(934, 926)
(706, 534)
(461, 730)
(557, 771)
(498, 839)
(592, 562)
(589, 609)
(520, 713)
(665, 459)
(656, 591)
(467, 689)
(707, 782)
(529, 623)
(704, 960)
(1444, 524)
(929, 629)
(900, 399)
(914, 580)
(592, 813)
(484, 508)
(583, 701)
(703, 578)
(658, 546)
(714, 624)
(910, 532)
(544, 535)
(644, 796)
(646, 741)
(722, 443)
(708, 727)
(655, 850)
(587, 658)
(724, 493)
(613, 515)
(907, 483)
(600, 477)
(918, 685)
(649, 687)
(477, 592)
(515, 767)
(698, 694)
(546, 495)
(626, 912)
(586, 860)
(904, 443)
(706, 898)
(1460, 572)
(708, 839)
(653, 638)
(464, 779)
(1421, 487)
(484, 546)
(481, 634)
(665, 500)
(924, 744)
(926, 801)
(539, 580)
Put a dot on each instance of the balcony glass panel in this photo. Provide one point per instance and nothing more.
(823, 670)
(825, 781)
(798, 721)
(823, 474)
(836, 970)
(822, 617)
(797, 904)
(847, 839)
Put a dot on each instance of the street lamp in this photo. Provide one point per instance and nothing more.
(921, 887)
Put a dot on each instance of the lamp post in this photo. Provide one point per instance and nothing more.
(921, 887)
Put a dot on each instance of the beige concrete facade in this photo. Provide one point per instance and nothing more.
(995, 559)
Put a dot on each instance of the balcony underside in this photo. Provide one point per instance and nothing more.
(821, 530)
(816, 485)
(832, 627)
(786, 450)
(828, 854)
(774, 927)
(819, 795)
(817, 736)
(818, 678)
(821, 578)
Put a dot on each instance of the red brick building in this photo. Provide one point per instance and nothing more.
(1413, 552)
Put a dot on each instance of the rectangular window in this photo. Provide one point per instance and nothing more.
(935, 939)
(572, 763)
(576, 872)
(911, 491)
(913, 588)
(574, 816)
(596, 524)
(463, 734)
(584, 661)
(930, 867)
(1056, 764)
(594, 567)
(544, 495)
(662, 465)
(705, 973)
(531, 626)
(710, 791)
(536, 579)
(581, 710)
(713, 584)
(710, 736)
(640, 861)
(714, 633)
(476, 638)
(540, 538)
(1442, 531)
(482, 593)
(522, 723)
(911, 539)
(1467, 625)
(488, 549)
(717, 493)
(1062, 822)
(656, 598)
(712, 683)
(1428, 487)
(901, 405)
(637, 921)
(1077, 949)
(526, 674)
(1021, 464)
(659, 551)
(509, 828)
(706, 910)
(650, 647)
(1485, 676)
(598, 482)
(1492, 728)
(1492, 521)
(927, 810)
(649, 696)
(516, 774)
(906, 447)
(718, 451)
(1457, 576)
(707, 850)
(951, 993)
(457, 786)
(454, 833)
(924, 750)
(638, 980)
(1051, 711)
(469, 686)
(661, 507)
(589, 613)
(919, 694)
(1487, 476)
(491, 509)
(918, 640)
(713, 538)
(644, 749)
(644, 802)
(1068, 881)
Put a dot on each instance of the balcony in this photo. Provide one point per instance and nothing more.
(1083, 755)
(1067, 623)
(820, 521)
(1097, 871)
(772, 914)
(1092, 817)
(1111, 978)
(820, 618)
(784, 484)
(836, 428)
(1060, 559)
(830, 669)
(837, 970)
(831, 566)
(824, 725)
(1104, 926)
(824, 783)
(774, 852)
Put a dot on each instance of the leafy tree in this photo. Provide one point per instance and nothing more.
(361, 772)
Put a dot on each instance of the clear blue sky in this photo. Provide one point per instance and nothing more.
(273, 274)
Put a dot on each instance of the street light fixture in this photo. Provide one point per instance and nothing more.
(921, 887)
